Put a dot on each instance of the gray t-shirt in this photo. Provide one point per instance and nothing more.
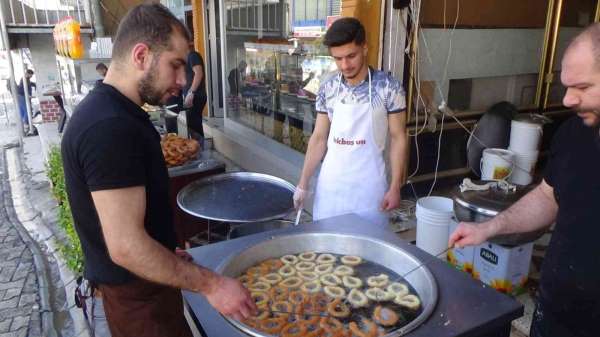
(386, 91)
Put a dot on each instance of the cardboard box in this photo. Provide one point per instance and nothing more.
(461, 258)
(503, 268)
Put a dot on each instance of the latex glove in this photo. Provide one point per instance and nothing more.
(299, 196)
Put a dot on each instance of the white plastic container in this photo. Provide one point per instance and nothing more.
(524, 165)
(433, 222)
(496, 164)
(505, 269)
(525, 137)
(461, 258)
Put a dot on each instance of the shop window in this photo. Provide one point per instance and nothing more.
(275, 63)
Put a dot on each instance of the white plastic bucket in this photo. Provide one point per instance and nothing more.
(524, 163)
(433, 222)
(525, 137)
(496, 164)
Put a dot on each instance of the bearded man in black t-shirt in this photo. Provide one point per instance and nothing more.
(568, 302)
(117, 185)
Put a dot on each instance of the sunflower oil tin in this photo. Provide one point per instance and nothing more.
(503, 268)
(461, 258)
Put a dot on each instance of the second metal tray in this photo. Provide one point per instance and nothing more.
(238, 197)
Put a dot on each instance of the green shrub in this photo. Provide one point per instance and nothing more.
(71, 250)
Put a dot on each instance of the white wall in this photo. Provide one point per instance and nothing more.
(480, 53)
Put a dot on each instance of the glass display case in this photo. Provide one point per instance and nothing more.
(274, 87)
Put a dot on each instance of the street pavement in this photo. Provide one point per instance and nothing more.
(35, 285)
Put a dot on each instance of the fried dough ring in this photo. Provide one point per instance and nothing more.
(351, 260)
(246, 279)
(287, 271)
(281, 309)
(291, 282)
(338, 309)
(398, 289)
(378, 295)
(331, 324)
(326, 259)
(357, 298)
(293, 330)
(260, 298)
(320, 301)
(289, 259)
(343, 270)
(297, 297)
(279, 293)
(308, 275)
(351, 282)
(330, 280)
(260, 286)
(308, 256)
(262, 313)
(385, 316)
(378, 281)
(311, 287)
(272, 278)
(410, 301)
(371, 332)
(305, 266)
(323, 269)
(272, 264)
(335, 292)
(272, 325)
(257, 271)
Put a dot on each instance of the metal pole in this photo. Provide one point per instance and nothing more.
(13, 86)
(35, 12)
(26, 92)
(97, 18)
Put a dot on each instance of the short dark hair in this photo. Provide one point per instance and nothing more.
(343, 31)
(29, 71)
(101, 66)
(152, 24)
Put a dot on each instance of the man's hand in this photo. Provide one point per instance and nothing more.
(183, 254)
(189, 100)
(300, 195)
(230, 298)
(391, 200)
(470, 234)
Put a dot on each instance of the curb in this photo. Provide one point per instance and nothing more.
(45, 310)
(35, 227)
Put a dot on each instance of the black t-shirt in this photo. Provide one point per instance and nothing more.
(194, 59)
(570, 280)
(110, 143)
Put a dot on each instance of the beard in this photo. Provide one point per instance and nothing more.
(146, 90)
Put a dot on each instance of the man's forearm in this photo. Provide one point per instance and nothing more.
(148, 259)
(314, 153)
(398, 147)
(534, 211)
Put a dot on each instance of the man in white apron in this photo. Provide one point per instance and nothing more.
(357, 109)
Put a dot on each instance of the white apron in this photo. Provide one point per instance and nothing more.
(352, 177)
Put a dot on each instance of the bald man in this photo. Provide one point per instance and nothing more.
(568, 302)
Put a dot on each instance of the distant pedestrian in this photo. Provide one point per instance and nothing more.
(21, 96)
